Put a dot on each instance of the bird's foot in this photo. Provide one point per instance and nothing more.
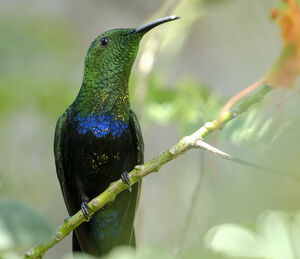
(125, 178)
(86, 210)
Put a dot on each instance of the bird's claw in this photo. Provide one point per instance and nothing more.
(125, 178)
(86, 209)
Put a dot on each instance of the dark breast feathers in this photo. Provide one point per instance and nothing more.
(86, 165)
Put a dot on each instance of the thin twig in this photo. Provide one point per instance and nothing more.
(193, 141)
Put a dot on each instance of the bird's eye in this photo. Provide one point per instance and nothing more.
(104, 42)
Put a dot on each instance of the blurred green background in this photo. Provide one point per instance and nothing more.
(185, 72)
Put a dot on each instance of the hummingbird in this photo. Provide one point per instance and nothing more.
(98, 139)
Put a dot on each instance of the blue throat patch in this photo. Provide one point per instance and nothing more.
(100, 125)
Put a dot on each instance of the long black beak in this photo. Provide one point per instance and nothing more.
(147, 27)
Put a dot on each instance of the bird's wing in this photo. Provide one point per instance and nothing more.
(137, 135)
(139, 145)
(59, 161)
(58, 150)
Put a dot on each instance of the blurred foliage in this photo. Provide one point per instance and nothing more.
(277, 235)
(40, 74)
(20, 227)
(191, 11)
(188, 103)
(211, 3)
(78, 256)
(255, 126)
(149, 252)
(30, 48)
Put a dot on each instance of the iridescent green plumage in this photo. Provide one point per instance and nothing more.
(98, 138)
(105, 81)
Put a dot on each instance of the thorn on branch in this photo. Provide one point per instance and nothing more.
(208, 125)
(58, 236)
(28, 252)
(195, 140)
(173, 151)
(212, 149)
(235, 112)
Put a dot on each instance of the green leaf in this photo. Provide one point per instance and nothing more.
(277, 236)
(21, 226)
(78, 256)
(142, 253)
(188, 103)
(9, 255)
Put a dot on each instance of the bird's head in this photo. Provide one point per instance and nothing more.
(113, 52)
